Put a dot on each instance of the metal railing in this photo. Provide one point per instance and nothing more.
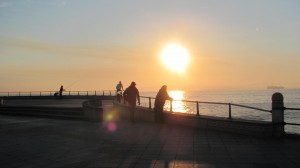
(288, 123)
(197, 104)
(65, 93)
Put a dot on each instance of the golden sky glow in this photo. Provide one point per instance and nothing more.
(92, 45)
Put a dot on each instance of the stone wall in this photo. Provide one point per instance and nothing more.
(92, 110)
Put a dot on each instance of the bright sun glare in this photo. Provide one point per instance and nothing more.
(178, 105)
(176, 94)
(175, 57)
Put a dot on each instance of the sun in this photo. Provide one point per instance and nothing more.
(175, 57)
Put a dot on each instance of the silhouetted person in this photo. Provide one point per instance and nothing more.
(60, 91)
(159, 103)
(131, 95)
(119, 88)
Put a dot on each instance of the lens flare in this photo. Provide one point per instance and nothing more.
(109, 117)
(112, 127)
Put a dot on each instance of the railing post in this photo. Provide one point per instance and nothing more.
(229, 112)
(198, 108)
(278, 114)
(150, 103)
(171, 106)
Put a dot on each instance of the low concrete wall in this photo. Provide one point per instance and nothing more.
(3, 98)
(141, 113)
(256, 128)
(247, 127)
(92, 110)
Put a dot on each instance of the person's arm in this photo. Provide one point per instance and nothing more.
(168, 97)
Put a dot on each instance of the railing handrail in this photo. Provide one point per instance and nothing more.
(102, 93)
(229, 104)
(65, 93)
(289, 123)
(57, 91)
(254, 108)
(149, 97)
(291, 108)
(220, 103)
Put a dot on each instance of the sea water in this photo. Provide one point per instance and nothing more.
(261, 99)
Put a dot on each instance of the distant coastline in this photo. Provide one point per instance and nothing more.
(275, 87)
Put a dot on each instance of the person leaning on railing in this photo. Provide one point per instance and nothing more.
(159, 103)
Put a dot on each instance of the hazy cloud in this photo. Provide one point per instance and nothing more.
(5, 4)
(124, 53)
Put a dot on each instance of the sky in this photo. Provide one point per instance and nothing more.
(94, 44)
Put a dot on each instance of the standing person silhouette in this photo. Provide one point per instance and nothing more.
(159, 103)
(119, 89)
(119, 86)
(131, 95)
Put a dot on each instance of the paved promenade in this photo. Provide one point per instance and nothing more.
(41, 142)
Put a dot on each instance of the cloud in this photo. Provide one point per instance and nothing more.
(62, 3)
(59, 3)
(113, 53)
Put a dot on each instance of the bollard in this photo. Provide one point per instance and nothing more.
(278, 114)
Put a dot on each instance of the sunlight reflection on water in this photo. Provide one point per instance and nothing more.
(177, 104)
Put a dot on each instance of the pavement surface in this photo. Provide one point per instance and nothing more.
(43, 142)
